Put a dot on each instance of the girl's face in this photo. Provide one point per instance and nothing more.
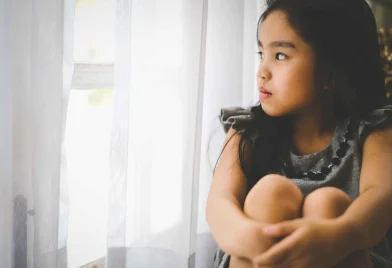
(286, 70)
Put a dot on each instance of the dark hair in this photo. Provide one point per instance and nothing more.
(343, 36)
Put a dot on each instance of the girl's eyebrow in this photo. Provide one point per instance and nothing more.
(284, 44)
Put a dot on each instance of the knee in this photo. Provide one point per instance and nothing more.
(274, 191)
(330, 200)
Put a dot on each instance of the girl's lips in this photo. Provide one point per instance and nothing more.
(264, 95)
(264, 90)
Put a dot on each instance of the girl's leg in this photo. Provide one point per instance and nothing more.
(329, 202)
(273, 199)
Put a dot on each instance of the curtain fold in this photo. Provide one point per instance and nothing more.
(38, 69)
(157, 73)
(6, 206)
(176, 64)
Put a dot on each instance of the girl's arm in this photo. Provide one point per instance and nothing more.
(229, 225)
(371, 212)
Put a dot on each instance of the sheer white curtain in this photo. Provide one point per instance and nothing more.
(177, 63)
(35, 73)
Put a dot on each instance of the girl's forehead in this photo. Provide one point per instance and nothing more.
(276, 27)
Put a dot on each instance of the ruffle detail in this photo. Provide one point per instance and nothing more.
(377, 119)
(235, 117)
(221, 259)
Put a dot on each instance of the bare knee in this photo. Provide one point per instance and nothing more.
(273, 198)
(326, 202)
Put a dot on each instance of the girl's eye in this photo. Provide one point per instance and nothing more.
(280, 56)
(261, 55)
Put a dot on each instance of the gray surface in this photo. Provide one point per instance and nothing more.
(162, 258)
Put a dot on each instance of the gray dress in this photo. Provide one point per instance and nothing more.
(344, 176)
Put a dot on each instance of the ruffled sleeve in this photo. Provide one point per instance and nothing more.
(235, 117)
(377, 119)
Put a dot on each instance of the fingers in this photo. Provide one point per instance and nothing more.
(282, 228)
(278, 253)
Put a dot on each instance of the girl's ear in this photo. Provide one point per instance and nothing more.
(328, 81)
(329, 85)
(325, 76)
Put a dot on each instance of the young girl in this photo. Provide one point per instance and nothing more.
(305, 177)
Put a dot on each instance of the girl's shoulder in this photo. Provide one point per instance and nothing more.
(379, 118)
(234, 117)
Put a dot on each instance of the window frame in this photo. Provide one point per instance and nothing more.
(92, 75)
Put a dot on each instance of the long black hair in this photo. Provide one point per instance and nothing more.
(343, 36)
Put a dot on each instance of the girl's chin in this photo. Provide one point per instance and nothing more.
(271, 110)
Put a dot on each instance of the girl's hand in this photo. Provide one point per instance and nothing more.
(253, 240)
(305, 243)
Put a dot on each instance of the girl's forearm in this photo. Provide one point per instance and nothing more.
(370, 216)
(230, 227)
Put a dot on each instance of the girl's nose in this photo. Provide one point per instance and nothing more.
(263, 72)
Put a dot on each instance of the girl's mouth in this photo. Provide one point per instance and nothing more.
(264, 95)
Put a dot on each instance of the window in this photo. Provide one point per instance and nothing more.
(88, 130)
